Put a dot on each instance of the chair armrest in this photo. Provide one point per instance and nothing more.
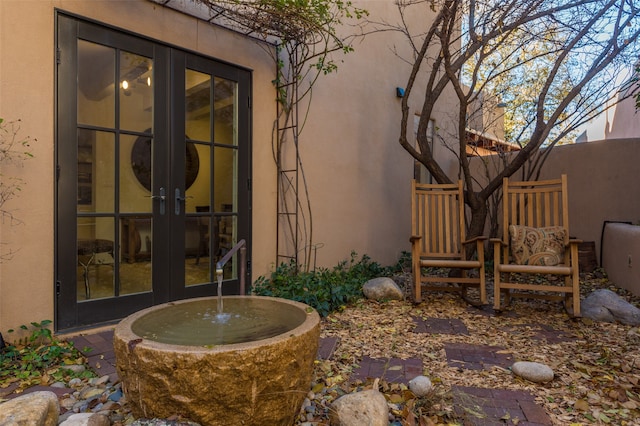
(475, 239)
(498, 241)
(574, 241)
(415, 238)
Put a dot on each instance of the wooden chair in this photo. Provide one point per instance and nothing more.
(438, 239)
(535, 240)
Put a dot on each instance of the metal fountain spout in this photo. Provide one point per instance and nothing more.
(242, 246)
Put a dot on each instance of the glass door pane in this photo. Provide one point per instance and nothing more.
(198, 223)
(211, 127)
(225, 123)
(114, 172)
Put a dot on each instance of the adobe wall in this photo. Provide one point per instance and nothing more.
(359, 176)
(603, 184)
(621, 255)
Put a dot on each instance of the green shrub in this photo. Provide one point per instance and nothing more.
(326, 290)
(38, 358)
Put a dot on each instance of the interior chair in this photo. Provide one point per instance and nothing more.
(438, 241)
(535, 240)
(87, 252)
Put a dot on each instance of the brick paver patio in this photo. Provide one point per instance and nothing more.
(543, 332)
(499, 407)
(98, 348)
(439, 326)
(393, 370)
(474, 406)
(477, 357)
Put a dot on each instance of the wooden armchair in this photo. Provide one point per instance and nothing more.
(535, 240)
(438, 239)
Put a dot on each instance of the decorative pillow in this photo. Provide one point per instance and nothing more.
(537, 246)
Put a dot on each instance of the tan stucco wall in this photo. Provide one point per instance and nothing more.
(621, 254)
(603, 184)
(358, 174)
(26, 92)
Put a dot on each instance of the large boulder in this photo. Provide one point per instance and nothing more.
(36, 409)
(361, 408)
(382, 288)
(605, 305)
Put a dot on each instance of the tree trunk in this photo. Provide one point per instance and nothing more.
(478, 220)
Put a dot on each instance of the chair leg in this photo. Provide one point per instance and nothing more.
(463, 287)
(483, 289)
(496, 291)
(496, 277)
(417, 297)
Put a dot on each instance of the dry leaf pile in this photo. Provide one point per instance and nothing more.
(596, 365)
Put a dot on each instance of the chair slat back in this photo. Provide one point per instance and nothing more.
(536, 203)
(438, 217)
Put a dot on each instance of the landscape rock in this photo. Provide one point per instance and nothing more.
(605, 305)
(86, 419)
(76, 368)
(361, 408)
(420, 386)
(533, 371)
(36, 409)
(90, 393)
(163, 422)
(382, 288)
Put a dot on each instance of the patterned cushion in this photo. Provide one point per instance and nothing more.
(537, 246)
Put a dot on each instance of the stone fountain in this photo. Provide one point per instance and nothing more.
(251, 366)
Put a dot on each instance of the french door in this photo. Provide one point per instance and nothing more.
(153, 161)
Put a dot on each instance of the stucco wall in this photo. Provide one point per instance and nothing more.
(621, 254)
(358, 174)
(26, 92)
(603, 184)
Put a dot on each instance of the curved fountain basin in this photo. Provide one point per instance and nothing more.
(253, 382)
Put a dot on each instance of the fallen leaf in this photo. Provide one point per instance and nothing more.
(581, 405)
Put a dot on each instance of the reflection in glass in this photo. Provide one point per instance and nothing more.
(198, 184)
(226, 239)
(135, 265)
(135, 174)
(96, 84)
(225, 177)
(95, 258)
(210, 226)
(225, 112)
(136, 92)
(198, 105)
(197, 247)
(96, 166)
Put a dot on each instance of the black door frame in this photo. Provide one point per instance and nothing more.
(69, 313)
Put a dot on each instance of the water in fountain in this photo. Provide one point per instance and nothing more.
(221, 316)
(195, 323)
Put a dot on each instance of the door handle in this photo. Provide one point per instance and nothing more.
(179, 199)
(162, 197)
